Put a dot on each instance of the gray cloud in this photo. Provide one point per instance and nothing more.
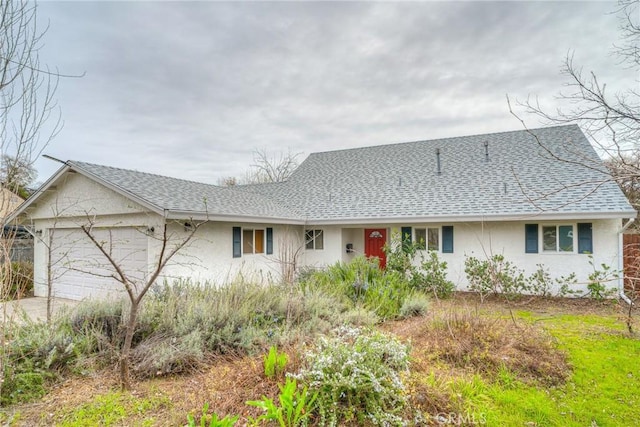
(190, 89)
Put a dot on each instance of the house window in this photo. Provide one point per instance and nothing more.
(252, 241)
(428, 238)
(314, 239)
(433, 241)
(421, 238)
(557, 238)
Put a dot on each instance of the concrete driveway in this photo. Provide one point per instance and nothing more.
(34, 307)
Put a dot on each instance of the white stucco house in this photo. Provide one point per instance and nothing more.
(537, 197)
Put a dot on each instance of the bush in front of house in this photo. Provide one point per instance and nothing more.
(357, 377)
(361, 283)
(18, 280)
(35, 354)
(428, 275)
(181, 324)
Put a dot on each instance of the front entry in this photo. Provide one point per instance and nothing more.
(374, 241)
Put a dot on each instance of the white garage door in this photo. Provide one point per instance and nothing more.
(81, 271)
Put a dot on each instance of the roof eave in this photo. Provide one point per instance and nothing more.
(542, 216)
(206, 216)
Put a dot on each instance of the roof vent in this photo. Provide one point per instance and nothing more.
(486, 151)
(438, 160)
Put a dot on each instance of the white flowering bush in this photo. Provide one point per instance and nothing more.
(356, 375)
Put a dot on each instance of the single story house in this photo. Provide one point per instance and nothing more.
(538, 196)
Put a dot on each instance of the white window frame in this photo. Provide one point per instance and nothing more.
(311, 243)
(558, 250)
(426, 229)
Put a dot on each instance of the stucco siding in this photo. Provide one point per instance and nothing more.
(482, 240)
(78, 196)
(208, 257)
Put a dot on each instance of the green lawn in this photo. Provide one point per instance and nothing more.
(604, 389)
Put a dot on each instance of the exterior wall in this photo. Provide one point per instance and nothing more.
(482, 240)
(77, 196)
(208, 257)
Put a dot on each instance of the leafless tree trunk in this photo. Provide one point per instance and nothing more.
(137, 289)
(27, 104)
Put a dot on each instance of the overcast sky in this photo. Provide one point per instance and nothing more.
(191, 89)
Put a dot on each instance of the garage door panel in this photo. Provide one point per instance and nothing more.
(81, 271)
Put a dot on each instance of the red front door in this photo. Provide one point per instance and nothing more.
(374, 241)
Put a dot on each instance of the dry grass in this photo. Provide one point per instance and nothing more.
(469, 342)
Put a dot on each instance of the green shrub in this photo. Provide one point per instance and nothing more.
(294, 408)
(432, 277)
(274, 362)
(357, 377)
(415, 305)
(227, 421)
(598, 280)
(494, 275)
(35, 354)
(361, 283)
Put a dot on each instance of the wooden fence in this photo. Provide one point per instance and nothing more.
(631, 264)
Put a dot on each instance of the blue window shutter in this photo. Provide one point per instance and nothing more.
(531, 238)
(585, 238)
(447, 239)
(269, 241)
(237, 242)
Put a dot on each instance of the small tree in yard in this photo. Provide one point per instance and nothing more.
(136, 289)
(27, 91)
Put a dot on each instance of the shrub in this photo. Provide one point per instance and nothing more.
(489, 345)
(274, 362)
(432, 277)
(598, 279)
(361, 283)
(415, 305)
(357, 377)
(35, 353)
(181, 324)
(494, 275)
(294, 408)
(541, 284)
(19, 281)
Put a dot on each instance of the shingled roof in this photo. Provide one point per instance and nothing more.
(547, 172)
(186, 198)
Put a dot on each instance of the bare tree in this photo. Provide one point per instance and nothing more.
(272, 168)
(228, 181)
(610, 120)
(28, 118)
(17, 174)
(136, 288)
